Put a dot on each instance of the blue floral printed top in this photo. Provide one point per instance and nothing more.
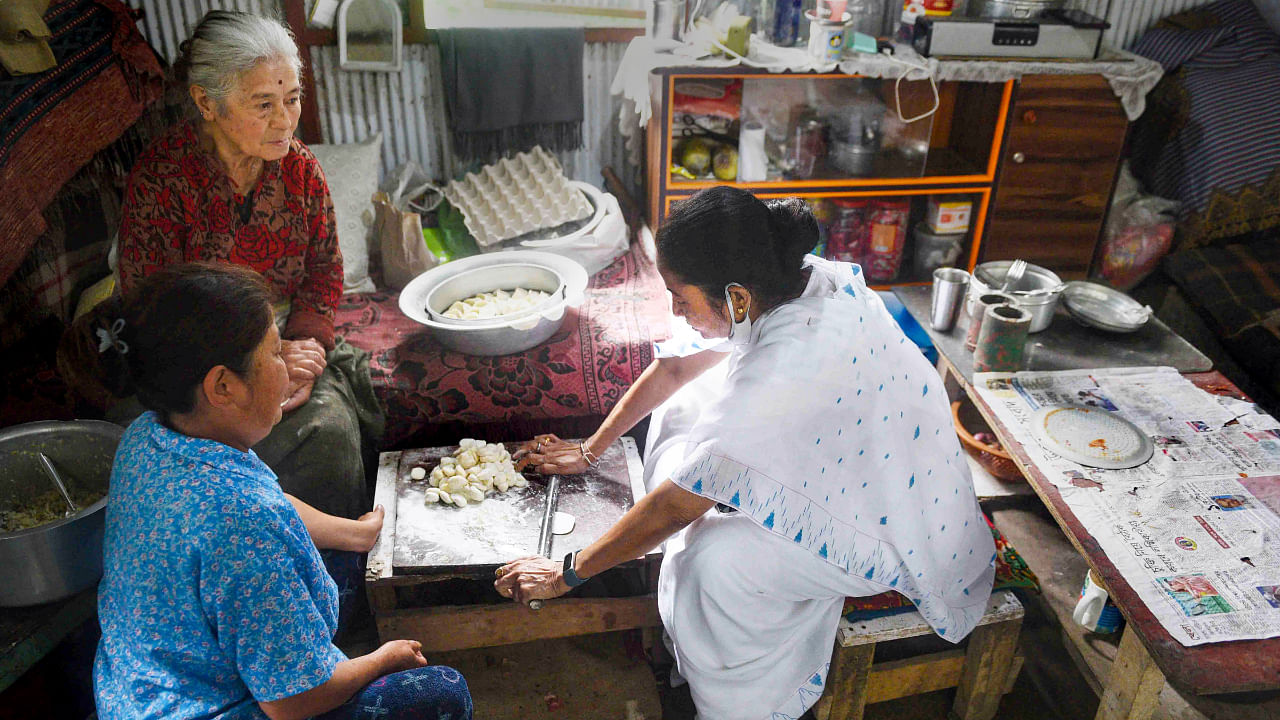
(214, 596)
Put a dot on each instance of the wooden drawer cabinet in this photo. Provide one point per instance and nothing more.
(1057, 170)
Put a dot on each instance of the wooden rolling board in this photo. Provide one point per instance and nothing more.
(434, 538)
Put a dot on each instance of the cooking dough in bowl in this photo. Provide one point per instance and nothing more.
(497, 303)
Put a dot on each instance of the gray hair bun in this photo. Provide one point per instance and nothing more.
(226, 44)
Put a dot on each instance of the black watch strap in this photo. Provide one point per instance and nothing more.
(571, 577)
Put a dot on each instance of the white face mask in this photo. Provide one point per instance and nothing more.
(740, 330)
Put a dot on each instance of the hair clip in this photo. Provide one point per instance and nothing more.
(109, 337)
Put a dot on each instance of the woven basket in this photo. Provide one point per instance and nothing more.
(969, 421)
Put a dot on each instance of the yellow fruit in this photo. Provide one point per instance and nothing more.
(725, 164)
(696, 156)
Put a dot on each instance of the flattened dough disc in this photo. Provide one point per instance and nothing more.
(562, 523)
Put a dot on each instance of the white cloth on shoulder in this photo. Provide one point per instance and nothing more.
(831, 434)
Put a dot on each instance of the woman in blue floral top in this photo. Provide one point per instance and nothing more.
(215, 602)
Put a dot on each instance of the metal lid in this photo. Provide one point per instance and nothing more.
(1104, 308)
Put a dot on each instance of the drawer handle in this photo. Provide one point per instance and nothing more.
(1019, 158)
(1029, 117)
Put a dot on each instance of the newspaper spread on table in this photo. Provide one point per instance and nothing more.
(1184, 529)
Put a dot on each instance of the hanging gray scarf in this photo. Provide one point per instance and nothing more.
(509, 89)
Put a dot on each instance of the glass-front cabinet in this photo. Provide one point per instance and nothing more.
(899, 174)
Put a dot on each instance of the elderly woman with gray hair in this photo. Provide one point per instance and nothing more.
(233, 185)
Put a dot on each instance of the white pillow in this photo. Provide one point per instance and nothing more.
(352, 172)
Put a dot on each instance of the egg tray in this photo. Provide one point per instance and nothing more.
(516, 195)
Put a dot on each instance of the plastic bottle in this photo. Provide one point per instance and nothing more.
(784, 29)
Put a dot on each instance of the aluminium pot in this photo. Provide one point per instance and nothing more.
(58, 559)
(854, 159)
(1037, 291)
(1017, 9)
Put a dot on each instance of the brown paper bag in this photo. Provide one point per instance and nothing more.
(404, 252)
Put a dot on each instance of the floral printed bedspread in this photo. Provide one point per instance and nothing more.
(583, 370)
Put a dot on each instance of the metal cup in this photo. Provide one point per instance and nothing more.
(665, 19)
(949, 287)
(984, 301)
(1002, 338)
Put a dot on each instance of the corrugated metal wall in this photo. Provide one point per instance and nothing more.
(409, 106)
(1130, 18)
(409, 110)
(167, 23)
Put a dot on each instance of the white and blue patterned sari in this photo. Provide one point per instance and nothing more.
(833, 433)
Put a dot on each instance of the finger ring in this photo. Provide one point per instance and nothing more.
(500, 572)
(538, 447)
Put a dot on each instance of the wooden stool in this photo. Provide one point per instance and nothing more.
(982, 672)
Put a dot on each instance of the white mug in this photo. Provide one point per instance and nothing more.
(1093, 611)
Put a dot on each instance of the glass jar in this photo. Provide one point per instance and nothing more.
(932, 250)
(847, 235)
(887, 236)
(808, 146)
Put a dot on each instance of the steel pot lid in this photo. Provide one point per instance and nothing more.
(1104, 308)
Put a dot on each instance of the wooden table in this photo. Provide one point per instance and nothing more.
(1148, 655)
(430, 575)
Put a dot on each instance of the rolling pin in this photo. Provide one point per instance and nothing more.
(545, 535)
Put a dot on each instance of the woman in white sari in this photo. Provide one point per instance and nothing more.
(806, 458)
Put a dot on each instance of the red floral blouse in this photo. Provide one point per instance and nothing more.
(181, 206)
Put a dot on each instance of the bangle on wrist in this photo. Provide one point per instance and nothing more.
(587, 455)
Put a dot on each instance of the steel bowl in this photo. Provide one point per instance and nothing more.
(1037, 291)
(58, 559)
(501, 335)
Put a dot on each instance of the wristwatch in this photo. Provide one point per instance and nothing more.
(571, 577)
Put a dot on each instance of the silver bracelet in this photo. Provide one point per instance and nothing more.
(587, 455)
